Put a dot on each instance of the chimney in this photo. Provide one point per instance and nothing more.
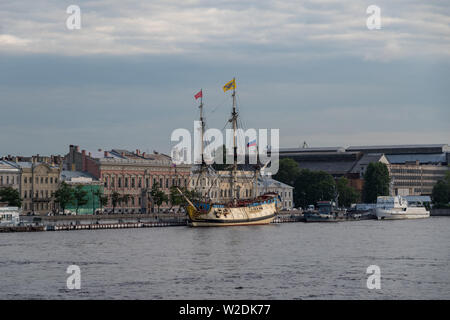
(77, 148)
(83, 152)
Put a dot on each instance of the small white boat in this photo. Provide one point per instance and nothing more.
(393, 208)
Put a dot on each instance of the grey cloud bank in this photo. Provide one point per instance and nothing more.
(128, 78)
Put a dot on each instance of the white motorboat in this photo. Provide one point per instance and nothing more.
(393, 208)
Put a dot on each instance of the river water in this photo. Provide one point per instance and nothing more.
(280, 261)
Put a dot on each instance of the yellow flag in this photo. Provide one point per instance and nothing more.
(229, 85)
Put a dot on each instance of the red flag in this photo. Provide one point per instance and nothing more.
(198, 95)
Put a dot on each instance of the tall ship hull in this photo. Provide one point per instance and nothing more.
(258, 211)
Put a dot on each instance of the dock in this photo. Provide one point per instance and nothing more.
(115, 221)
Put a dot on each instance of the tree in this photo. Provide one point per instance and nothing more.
(288, 171)
(102, 199)
(441, 193)
(115, 199)
(79, 195)
(158, 196)
(64, 195)
(347, 194)
(376, 182)
(124, 199)
(175, 198)
(11, 196)
(313, 186)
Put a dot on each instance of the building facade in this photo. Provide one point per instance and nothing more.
(39, 182)
(413, 169)
(130, 174)
(9, 175)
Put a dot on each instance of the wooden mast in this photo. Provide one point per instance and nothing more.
(234, 171)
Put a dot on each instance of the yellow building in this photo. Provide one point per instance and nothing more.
(39, 182)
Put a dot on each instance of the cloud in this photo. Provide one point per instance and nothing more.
(409, 28)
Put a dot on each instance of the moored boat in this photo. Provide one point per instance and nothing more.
(395, 208)
(231, 211)
(326, 212)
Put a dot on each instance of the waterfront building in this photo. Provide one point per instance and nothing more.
(9, 175)
(36, 182)
(414, 169)
(39, 182)
(286, 192)
(92, 186)
(131, 174)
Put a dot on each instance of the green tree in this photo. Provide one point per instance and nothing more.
(376, 182)
(175, 198)
(11, 196)
(102, 199)
(115, 199)
(158, 196)
(347, 194)
(441, 193)
(313, 186)
(192, 195)
(124, 199)
(79, 195)
(64, 195)
(288, 171)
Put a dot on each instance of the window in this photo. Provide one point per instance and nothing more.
(25, 180)
(146, 182)
(51, 179)
(46, 180)
(126, 182)
(160, 182)
(42, 180)
(37, 180)
(132, 182)
(140, 183)
(112, 182)
(167, 182)
(25, 194)
(119, 183)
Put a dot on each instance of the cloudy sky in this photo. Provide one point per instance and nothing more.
(313, 69)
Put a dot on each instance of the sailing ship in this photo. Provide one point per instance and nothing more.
(254, 210)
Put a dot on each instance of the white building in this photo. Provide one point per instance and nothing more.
(9, 175)
(267, 184)
(9, 216)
